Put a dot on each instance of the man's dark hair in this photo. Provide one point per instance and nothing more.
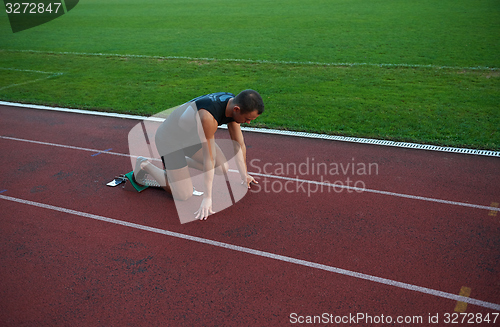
(248, 101)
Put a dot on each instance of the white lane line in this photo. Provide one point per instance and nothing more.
(77, 111)
(64, 146)
(256, 61)
(297, 180)
(360, 190)
(361, 140)
(274, 256)
(378, 142)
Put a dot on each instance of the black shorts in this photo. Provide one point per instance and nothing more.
(177, 159)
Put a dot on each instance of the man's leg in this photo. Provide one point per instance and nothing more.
(158, 175)
(196, 161)
(180, 183)
(175, 181)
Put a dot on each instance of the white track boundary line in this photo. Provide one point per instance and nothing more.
(65, 146)
(278, 132)
(297, 180)
(360, 190)
(406, 145)
(280, 62)
(264, 254)
(51, 74)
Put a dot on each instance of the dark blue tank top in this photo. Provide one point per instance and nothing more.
(215, 103)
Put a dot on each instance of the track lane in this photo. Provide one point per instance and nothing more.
(358, 224)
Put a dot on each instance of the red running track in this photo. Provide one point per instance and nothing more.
(336, 254)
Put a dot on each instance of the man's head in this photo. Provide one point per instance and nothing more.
(248, 105)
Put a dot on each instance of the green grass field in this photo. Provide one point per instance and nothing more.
(421, 71)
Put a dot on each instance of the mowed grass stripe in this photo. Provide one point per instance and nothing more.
(443, 107)
(257, 61)
(444, 33)
(389, 84)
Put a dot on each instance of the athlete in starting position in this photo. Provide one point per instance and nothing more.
(186, 139)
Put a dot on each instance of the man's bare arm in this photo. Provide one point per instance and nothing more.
(206, 130)
(241, 152)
